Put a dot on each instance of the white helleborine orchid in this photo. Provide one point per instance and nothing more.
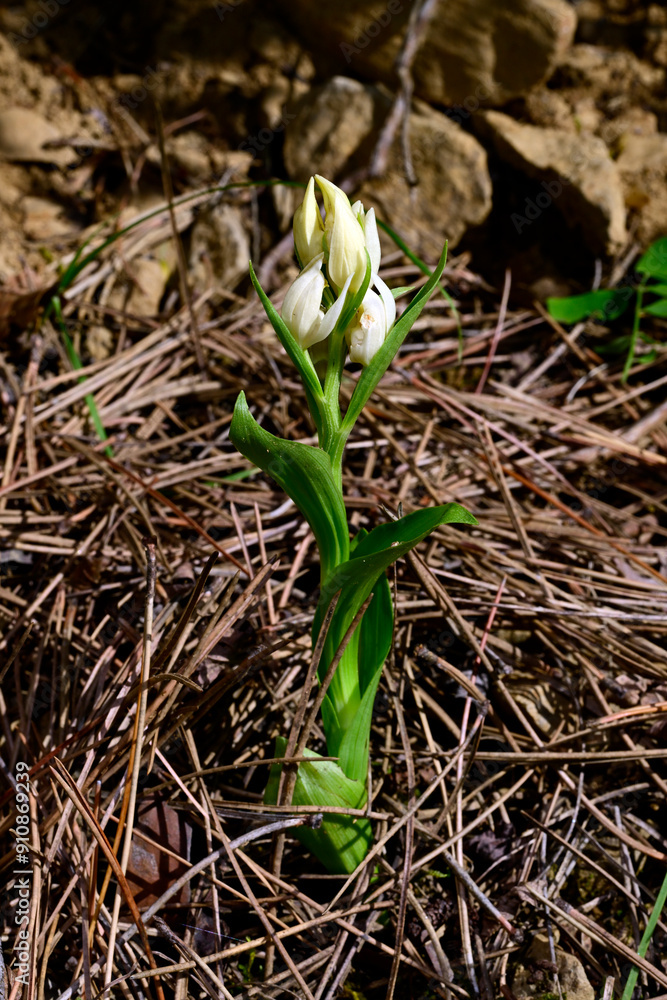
(302, 307)
(308, 227)
(372, 322)
(344, 236)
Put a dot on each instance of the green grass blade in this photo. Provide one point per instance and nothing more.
(654, 262)
(75, 362)
(631, 981)
(606, 304)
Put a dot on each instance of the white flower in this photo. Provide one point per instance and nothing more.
(302, 307)
(372, 322)
(369, 226)
(345, 238)
(308, 227)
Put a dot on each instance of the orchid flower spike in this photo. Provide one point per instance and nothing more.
(302, 307)
(372, 322)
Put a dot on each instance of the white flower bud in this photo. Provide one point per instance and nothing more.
(372, 322)
(344, 236)
(308, 227)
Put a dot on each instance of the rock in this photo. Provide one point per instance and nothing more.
(617, 80)
(453, 191)
(473, 51)
(192, 153)
(535, 977)
(23, 137)
(549, 109)
(642, 165)
(44, 219)
(656, 34)
(147, 278)
(576, 171)
(331, 123)
(334, 131)
(219, 250)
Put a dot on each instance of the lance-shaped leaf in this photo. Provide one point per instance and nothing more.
(304, 473)
(341, 843)
(356, 579)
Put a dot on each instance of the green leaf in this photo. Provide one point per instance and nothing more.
(658, 308)
(657, 289)
(618, 345)
(304, 472)
(341, 843)
(654, 261)
(356, 579)
(605, 304)
(372, 374)
(354, 745)
(402, 290)
(375, 636)
(376, 632)
(425, 269)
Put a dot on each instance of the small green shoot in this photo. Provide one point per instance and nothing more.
(609, 304)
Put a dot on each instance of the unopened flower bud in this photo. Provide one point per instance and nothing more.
(344, 237)
(308, 227)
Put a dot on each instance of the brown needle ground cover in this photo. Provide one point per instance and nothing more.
(520, 730)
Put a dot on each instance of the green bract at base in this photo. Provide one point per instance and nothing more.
(341, 843)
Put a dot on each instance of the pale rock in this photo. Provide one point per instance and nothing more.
(99, 342)
(549, 109)
(233, 163)
(533, 980)
(149, 280)
(285, 202)
(453, 190)
(189, 151)
(473, 51)
(143, 281)
(219, 250)
(613, 76)
(642, 165)
(23, 137)
(331, 123)
(44, 219)
(584, 183)
(336, 127)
